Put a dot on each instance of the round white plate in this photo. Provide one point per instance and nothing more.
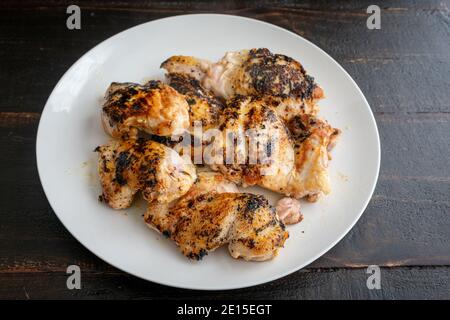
(70, 129)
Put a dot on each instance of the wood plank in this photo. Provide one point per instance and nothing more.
(405, 224)
(324, 6)
(396, 283)
(36, 48)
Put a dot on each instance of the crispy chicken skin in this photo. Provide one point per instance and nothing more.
(126, 167)
(154, 107)
(204, 107)
(261, 146)
(313, 139)
(194, 67)
(260, 72)
(254, 72)
(210, 216)
(209, 181)
(290, 107)
(295, 154)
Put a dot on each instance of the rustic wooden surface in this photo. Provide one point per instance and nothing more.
(403, 69)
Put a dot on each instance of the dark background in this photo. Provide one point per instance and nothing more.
(403, 69)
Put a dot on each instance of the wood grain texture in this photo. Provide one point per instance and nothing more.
(403, 69)
(397, 283)
(406, 223)
(408, 51)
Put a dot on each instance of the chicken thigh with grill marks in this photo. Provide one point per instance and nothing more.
(254, 145)
(291, 160)
(254, 72)
(126, 167)
(313, 140)
(154, 107)
(212, 214)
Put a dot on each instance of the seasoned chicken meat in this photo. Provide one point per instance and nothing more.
(313, 139)
(204, 107)
(126, 167)
(255, 145)
(254, 72)
(154, 107)
(289, 107)
(210, 216)
(290, 159)
(209, 181)
(194, 67)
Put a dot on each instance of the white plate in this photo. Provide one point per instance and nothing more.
(70, 129)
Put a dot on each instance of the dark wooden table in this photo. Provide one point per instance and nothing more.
(403, 69)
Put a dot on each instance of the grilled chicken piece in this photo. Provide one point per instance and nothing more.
(291, 160)
(204, 107)
(194, 67)
(126, 167)
(290, 107)
(255, 145)
(154, 107)
(209, 181)
(313, 139)
(254, 72)
(212, 214)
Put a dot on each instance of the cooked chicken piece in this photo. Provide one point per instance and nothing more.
(289, 107)
(154, 107)
(254, 72)
(313, 138)
(126, 167)
(288, 210)
(204, 107)
(210, 181)
(194, 67)
(256, 148)
(255, 145)
(209, 216)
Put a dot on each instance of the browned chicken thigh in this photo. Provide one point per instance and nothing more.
(154, 107)
(255, 145)
(289, 158)
(313, 140)
(126, 167)
(212, 214)
(254, 72)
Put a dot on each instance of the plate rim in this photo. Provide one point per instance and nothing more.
(247, 284)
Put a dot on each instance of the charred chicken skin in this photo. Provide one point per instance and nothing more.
(254, 72)
(210, 216)
(126, 167)
(154, 108)
(204, 107)
(291, 159)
